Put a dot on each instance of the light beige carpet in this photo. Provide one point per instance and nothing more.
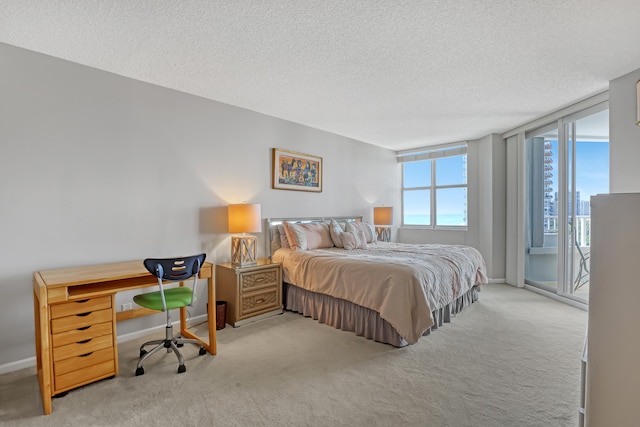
(511, 359)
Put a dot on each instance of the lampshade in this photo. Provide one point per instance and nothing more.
(383, 215)
(245, 218)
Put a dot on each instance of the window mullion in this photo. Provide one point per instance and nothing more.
(432, 194)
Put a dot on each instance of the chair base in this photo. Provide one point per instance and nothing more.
(171, 343)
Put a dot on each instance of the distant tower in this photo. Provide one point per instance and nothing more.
(549, 203)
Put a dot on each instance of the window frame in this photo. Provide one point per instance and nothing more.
(432, 154)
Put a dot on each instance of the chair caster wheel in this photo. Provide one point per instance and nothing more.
(180, 345)
(139, 371)
(143, 352)
(181, 369)
(202, 351)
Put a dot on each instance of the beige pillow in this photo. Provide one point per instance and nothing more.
(305, 236)
(284, 242)
(365, 227)
(351, 240)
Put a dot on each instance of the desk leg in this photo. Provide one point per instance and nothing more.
(43, 358)
(211, 319)
(212, 314)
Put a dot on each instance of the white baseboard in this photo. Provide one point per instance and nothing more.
(497, 280)
(17, 365)
(31, 361)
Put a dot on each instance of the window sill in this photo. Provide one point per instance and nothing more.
(437, 228)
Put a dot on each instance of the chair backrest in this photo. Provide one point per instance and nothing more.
(175, 269)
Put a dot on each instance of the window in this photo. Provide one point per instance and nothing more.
(434, 187)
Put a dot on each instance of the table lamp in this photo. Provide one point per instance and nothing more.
(244, 218)
(382, 219)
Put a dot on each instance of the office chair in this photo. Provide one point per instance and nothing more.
(170, 270)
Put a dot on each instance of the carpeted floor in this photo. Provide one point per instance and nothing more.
(511, 359)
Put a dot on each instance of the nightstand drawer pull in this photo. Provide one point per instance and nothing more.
(83, 314)
(86, 354)
(84, 341)
(84, 328)
(260, 301)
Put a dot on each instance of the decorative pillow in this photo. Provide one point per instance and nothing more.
(311, 235)
(351, 240)
(336, 230)
(365, 227)
(276, 241)
(362, 240)
(296, 237)
(284, 242)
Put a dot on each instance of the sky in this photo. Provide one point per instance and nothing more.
(592, 167)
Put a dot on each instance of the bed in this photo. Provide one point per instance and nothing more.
(393, 293)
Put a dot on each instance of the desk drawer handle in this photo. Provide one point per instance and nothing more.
(261, 300)
(86, 354)
(83, 314)
(84, 341)
(82, 300)
(259, 279)
(84, 328)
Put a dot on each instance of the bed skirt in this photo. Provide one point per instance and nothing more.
(347, 316)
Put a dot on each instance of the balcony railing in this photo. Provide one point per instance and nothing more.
(582, 228)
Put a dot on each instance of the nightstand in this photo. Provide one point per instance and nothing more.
(252, 292)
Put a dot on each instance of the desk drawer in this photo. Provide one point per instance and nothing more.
(83, 347)
(84, 360)
(80, 306)
(81, 320)
(81, 334)
(262, 301)
(84, 376)
(255, 280)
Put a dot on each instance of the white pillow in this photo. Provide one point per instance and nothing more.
(366, 228)
(336, 230)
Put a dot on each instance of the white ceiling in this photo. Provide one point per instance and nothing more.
(398, 74)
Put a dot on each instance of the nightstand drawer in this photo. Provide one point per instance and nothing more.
(255, 280)
(262, 301)
(81, 334)
(82, 347)
(80, 306)
(81, 320)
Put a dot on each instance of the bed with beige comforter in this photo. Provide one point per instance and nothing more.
(411, 287)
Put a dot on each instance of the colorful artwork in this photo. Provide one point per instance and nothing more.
(296, 171)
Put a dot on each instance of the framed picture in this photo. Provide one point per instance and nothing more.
(296, 171)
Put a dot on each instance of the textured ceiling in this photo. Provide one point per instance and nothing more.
(399, 74)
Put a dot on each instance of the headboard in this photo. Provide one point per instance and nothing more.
(273, 223)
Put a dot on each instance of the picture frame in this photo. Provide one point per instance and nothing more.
(296, 171)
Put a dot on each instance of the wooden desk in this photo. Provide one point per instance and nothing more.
(75, 320)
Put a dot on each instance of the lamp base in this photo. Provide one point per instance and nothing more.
(383, 234)
(243, 251)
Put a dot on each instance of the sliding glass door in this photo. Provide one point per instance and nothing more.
(567, 163)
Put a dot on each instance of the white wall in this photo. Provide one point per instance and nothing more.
(100, 168)
(624, 134)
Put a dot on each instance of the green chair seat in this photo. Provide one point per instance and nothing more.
(175, 298)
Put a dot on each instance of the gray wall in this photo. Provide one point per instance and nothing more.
(624, 134)
(98, 168)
